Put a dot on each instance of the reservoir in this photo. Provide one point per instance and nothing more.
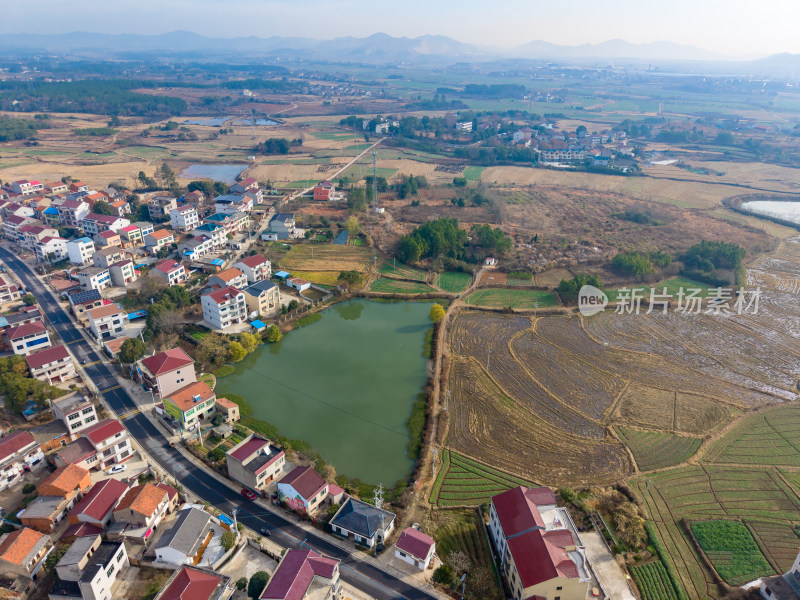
(224, 173)
(345, 384)
(788, 211)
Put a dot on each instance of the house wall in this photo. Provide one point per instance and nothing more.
(175, 380)
(420, 564)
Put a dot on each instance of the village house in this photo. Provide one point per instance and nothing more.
(111, 441)
(362, 522)
(84, 301)
(255, 268)
(120, 208)
(15, 209)
(415, 548)
(81, 251)
(76, 411)
(51, 436)
(197, 247)
(33, 234)
(25, 315)
(303, 489)
(105, 257)
(186, 539)
(245, 185)
(132, 235)
(229, 277)
(19, 453)
(57, 495)
(283, 224)
(107, 321)
(92, 224)
(184, 217)
(782, 587)
(539, 550)
(324, 190)
(170, 271)
(72, 212)
(299, 284)
(142, 509)
(25, 187)
(158, 207)
(232, 223)
(52, 365)
(262, 297)
(23, 552)
(166, 372)
(51, 249)
(12, 227)
(56, 187)
(9, 291)
(304, 574)
(94, 278)
(255, 462)
(122, 273)
(80, 452)
(109, 239)
(190, 404)
(191, 583)
(229, 410)
(158, 239)
(28, 338)
(88, 570)
(232, 203)
(224, 307)
(78, 186)
(97, 506)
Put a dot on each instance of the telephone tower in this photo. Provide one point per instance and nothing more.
(379, 496)
(374, 181)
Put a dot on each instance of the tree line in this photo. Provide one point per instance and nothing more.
(444, 239)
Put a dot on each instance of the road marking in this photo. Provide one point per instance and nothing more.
(113, 387)
(90, 364)
(129, 414)
(74, 341)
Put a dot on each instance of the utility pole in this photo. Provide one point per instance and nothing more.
(235, 523)
(374, 181)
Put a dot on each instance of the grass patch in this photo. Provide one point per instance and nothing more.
(329, 278)
(397, 269)
(397, 286)
(416, 425)
(308, 320)
(302, 183)
(732, 550)
(499, 298)
(655, 450)
(453, 281)
(225, 370)
(96, 131)
(474, 173)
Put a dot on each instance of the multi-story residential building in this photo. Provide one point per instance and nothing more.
(32, 234)
(51, 249)
(166, 372)
(214, 231)
(105, 257)
(122, 273)
(19, 453)
(120, 208)
(94, 278)
(15, 209)
(56, 187)
(109, 239)
(58, 493)
(72, 212)
(23, 552)
(191, 583)
(9, 291)
(132, 234)
(78, 186)
(158, 239)
(172, 272)
(304, 575)
(13, 225)
(303, 489)
(229, 410)
(232, 222)
(88, 569)
(184, 217)
(77, 412)
(231, 203)
(525, 523)
(255, 268)
(197, 247)
(363, 523)
(245, 185)
(80, 251)
(143, 507)
(255, 462)
(224, 307)
(184, 542)
(262, 297)
(190, 404)
(159, 206)
(283, 224)
(50, 215)
(28, 338)
(324, 190)
(111, 441)
(52, 365)
(97, 506)
(84, 301)
(229, 277)
(25, 315)
(107, 321)
(93, 223)
(25, 187)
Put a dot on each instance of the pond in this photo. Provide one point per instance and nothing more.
(224, 173)
(788, 211)
(345, 384)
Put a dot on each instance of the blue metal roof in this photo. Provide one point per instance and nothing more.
(226, 519)
(3, 322)
(52, 210)
(258, 324)
(283, 274)
(217, 261)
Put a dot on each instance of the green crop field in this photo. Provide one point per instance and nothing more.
(474, 173)
(655, 450)
(498, 298)
(397, 269)
(452, 281)
(302, 183)
(397, 286)
(732, 550)
(653, 582)
(768, 438)
(464, 482)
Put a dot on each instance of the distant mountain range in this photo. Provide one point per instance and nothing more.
(376, 49)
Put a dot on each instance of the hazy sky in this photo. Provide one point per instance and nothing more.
(733, 27)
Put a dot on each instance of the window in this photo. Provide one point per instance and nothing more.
(86, 411)
(74, 416)
(90, 419)
(559, 588)
(75, 425)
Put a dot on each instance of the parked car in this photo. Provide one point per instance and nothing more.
(265, 531)
(249, 494)
(116, 469)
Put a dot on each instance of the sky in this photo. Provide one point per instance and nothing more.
(736, 28)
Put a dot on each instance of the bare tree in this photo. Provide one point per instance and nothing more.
(459, 561)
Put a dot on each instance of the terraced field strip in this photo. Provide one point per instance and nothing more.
(327, 257)
(330, 278)
(654, 450)
(401, 271)
(653, 582)
(399, 286)
(522, 299)
(452, 281)
(732, 550)
(769, 438)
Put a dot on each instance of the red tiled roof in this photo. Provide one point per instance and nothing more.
(191, 584)
(102, 498)
(224, 294)
(160, 234)
(19, 544)
(108, 234)
(247, 181)
(229, 274)
(14, 443)
(253, 261)
(326, 184)
(106, 219)
(15, 220)
(416, 543)
(540, 496)
(537, 559)
(103, 430)
(171, 491)
(306, 481)
(82, 530)
(167, 266)
(184, 397)
(517, 513)
(27, 329)
(105, 311)
(295, 573)
(71, 204)
(253, 445)
(65, 480)
(42, 357)
(144, 499)
(164, 362)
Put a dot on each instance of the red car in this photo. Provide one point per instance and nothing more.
(249, 494)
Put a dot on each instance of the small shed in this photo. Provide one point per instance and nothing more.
(283, 275)
(258, 325)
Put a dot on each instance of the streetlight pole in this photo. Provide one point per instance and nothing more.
(235, 523)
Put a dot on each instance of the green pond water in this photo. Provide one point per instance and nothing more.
(344, 384)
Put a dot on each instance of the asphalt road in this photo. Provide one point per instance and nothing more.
(366, 577)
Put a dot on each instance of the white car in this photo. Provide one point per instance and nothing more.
(116, 469)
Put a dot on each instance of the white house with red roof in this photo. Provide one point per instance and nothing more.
(158, 239)
(166, 372)
(191, 583)
(32, 234)
(72, 212)
(539, 549)
(25, 187)
(12, 226)
(415, 548)
(304, 574)
(19, 453)
(97, 506)
(255, 268)
(224, 307)
(184, 217)
(255, 462)
(172, 272)
(303, 489)
(111, 441)
(52, 365)
(229, 277)
(93, 223)
(28, 338)
(51, 249)
(9, 291)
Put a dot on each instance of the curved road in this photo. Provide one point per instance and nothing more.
(364, 576)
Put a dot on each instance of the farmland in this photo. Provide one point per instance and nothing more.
(454, 282)
(401, 271)
(653, 582)
(655, 450)
(499, 298)
(769, 438)
(399, 286)
(731, 550)
(465, 482)
(319, 257)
